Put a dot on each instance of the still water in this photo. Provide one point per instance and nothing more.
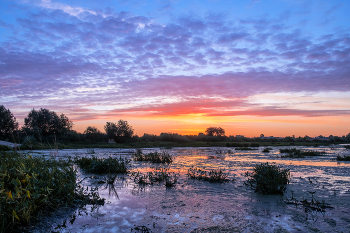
(200, 206)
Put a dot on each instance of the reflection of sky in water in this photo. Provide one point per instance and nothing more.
(195, 204)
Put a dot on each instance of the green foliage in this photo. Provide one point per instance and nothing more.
(43, 123)
(29, 185)
(5, 148)
(103, 166)
(8, 123)
(211, 176)
(268, 179)
(155, 157)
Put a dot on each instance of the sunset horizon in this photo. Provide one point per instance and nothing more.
(276, 68)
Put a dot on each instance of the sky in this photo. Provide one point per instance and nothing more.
(272, 67)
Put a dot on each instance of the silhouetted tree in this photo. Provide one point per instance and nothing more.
(44, 122)
(215, 131)
(93, 134)
(8, 123)
(120, 131)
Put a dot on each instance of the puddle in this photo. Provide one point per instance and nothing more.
(200, 206)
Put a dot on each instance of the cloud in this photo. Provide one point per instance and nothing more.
(97, 57)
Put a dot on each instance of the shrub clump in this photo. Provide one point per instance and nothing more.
(268, 179)
(102, 165)
(31, 185)
(155, 157)
(211, 176)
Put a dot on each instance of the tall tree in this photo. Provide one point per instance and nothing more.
(120, 131)
(215, 131)
(8, 123)
(45, 122)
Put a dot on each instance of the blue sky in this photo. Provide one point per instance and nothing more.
(276, 66)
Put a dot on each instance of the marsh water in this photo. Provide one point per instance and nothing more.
(201, 206)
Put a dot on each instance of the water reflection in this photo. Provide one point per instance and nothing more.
(195, 204)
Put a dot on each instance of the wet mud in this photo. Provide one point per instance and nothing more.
(201, 206)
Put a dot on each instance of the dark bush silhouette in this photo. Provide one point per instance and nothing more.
(8, 123)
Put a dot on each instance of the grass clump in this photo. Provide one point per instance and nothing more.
(268, 179)
(343, 158)
(102, 165)
(5, 148)
(267, 150)
(158, 175)
(30, 186)
(295, 153)
(215, 175)
(155, 157)
(245, 148)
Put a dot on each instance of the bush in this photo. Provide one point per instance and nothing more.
(266, 150)
(103, 166)
(268, 179)
(31, 185)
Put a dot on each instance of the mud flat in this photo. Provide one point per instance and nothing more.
(200, 206)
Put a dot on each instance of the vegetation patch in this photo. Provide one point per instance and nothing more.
(267, 150)
(154, 157)
(347, 146)
(343, 158)
(102, 165)
(5, 148)
(216, 175)
(158, 175)
(245, 148)
(295, 153)
(268, 179)
(239, 144)
(30, 186)
(312, 205)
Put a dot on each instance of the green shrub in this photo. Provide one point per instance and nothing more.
(211, 176)
(103, 166)
(268, 179)
(29, 185)
(155, 157)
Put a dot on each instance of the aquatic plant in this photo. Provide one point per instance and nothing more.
(155, 157)
(312, 205)
(347, 146)
(245, 148)
(102, 165)
(343, 158)
(295, 153)
(156, 176)
(32, 185)
(215, 175)
(266, 150)
(268, 179)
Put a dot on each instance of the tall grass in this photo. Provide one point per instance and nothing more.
(155, 157)
(102, 165)
(268, 179)
(295, 153)
(212, 176)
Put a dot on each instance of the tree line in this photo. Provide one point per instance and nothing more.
(44, 125)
